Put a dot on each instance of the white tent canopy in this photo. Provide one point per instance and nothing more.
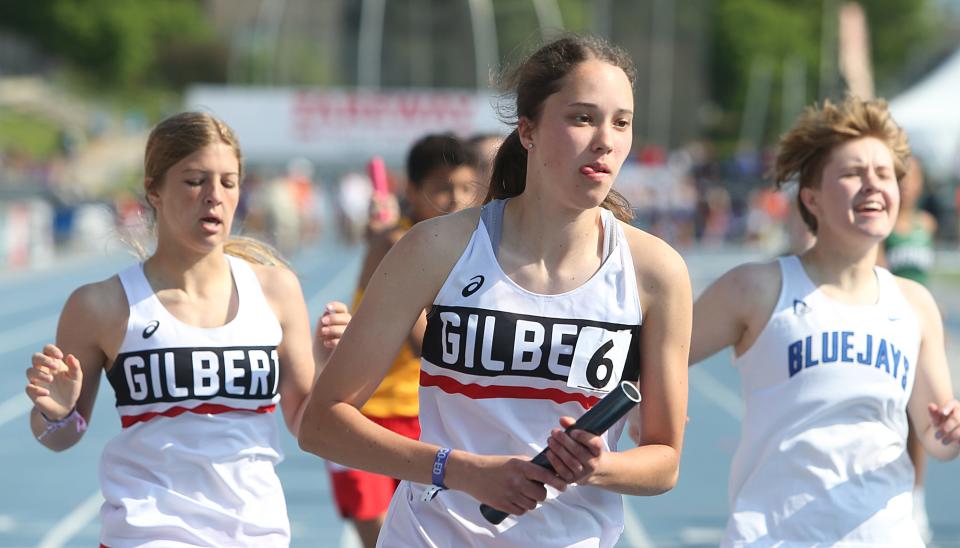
(929, 111)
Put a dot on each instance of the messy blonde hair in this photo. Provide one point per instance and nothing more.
(806, 148)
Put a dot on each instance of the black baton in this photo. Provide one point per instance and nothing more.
(596, 420)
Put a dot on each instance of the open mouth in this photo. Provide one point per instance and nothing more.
(211, 221)
(871, 206)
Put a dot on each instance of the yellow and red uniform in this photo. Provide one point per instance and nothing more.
(362, 495)
(396, 397)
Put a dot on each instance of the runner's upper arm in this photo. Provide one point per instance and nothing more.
(380, 245)
(295, 351)
(92, 326)
(666, 298)
(405, 282)
(932, 382)
(740, 300)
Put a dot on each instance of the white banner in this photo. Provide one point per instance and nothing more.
(339, 125)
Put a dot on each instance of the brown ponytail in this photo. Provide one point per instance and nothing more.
(509, 176)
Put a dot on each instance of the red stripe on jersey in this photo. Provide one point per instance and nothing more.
(204, 409)
(480, 392)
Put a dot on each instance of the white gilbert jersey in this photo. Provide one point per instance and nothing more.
(822, 457)
(500, 366)
(194, 463)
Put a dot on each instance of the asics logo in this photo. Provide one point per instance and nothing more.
(473, 286)
(151, 329)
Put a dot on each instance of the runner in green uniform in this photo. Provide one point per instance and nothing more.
(908, 252)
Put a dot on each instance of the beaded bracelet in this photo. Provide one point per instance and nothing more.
(54, 425)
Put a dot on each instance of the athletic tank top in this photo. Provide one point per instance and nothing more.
(910, 254)
(500, 366)
(822, 456)
(194, 462)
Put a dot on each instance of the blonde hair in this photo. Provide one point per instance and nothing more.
(254, 251)
(181, 135)
(806, 148)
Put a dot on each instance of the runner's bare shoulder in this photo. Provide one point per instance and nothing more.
(445, 236)
(755, 286)
(657, 263)
(97, 311)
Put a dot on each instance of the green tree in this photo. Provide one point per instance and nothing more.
(115, 41)
(759, 31)
(900, 31)
(748, 32)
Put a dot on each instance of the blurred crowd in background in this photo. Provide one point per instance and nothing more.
(688, 196)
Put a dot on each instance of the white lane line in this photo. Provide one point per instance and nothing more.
(349, 538)
(72, 523)
(7, 523)
(633, 529)
(702, 535)
(10, 309)
(29, 334)
(14, 407)
(717, 392)
(320, 298)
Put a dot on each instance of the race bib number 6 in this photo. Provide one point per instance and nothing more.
(599, 359)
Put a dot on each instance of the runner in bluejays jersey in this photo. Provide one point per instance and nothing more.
(823, 453)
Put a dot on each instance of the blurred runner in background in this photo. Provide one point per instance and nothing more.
(908, 252)
(485, 146)
(441, 178)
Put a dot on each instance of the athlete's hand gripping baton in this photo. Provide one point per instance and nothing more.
(596, 420)
(378, 176)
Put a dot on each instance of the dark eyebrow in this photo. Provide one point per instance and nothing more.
(206, 171)
(593, 106)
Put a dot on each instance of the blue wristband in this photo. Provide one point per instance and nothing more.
(440, 467)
